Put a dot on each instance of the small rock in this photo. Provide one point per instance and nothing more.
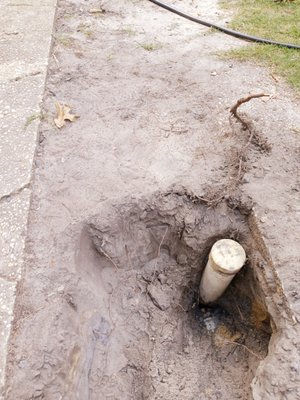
(39, 387)
(286, 347)
(23, 364)
(160, 297)
(182, 259)
(162, 279)
(213, 73)
(295, 366)
(60, 289)
(169, 370)
(182, 384)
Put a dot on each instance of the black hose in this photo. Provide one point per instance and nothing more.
(230, 32)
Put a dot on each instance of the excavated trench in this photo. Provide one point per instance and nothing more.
(146, 335)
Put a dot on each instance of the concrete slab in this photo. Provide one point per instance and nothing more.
(7, 299)
(25, 39)
(13, 221)
(23, 66)
(19, 116)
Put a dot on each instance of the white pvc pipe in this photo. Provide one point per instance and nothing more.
(226, 258)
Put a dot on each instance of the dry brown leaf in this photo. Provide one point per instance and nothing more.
(63, 115)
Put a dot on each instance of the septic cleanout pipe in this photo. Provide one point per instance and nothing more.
(225, 260)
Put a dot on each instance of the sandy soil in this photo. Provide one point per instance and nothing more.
(123, 215)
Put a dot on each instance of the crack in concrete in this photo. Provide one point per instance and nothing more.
(17, 78)
(9, 33)
(14, 192)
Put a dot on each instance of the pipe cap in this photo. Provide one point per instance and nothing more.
(227, 256)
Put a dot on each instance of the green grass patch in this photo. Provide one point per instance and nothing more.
(129, 30)
(150, 46)
(271, 20)
(30, 119)
(65, 41)
(86, 30)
